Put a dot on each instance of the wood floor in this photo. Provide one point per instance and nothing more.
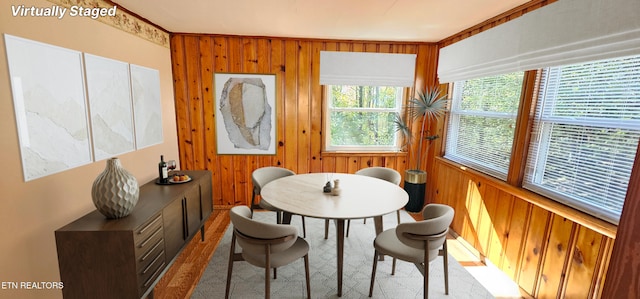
(183, 276)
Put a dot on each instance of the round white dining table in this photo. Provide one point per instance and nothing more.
(360, 197)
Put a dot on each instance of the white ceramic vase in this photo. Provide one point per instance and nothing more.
(115, 191)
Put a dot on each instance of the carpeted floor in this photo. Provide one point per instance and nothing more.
(247, 281)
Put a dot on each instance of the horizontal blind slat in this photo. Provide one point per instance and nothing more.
(586, 131)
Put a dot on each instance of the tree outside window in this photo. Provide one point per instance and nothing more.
(361, 118)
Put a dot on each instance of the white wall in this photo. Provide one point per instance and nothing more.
(31, 211)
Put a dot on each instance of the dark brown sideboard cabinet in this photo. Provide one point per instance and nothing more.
(126, 257)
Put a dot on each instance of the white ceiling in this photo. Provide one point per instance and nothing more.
(380, 20)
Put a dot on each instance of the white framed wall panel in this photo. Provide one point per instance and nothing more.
(110, 106)
(47, 85)
(147, 106)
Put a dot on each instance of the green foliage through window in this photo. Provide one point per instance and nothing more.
(482, 122)
(586, 132)
(361, 117)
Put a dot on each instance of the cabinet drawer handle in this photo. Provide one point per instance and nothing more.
(144, 257)
(144, 243)
(154, 261)
(148, 282)
(140, 232)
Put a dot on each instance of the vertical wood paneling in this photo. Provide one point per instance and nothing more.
(515, 238)
(304, 107)
(209, 156)
(278, 68)
(535, 242)
(195, 106)
(458, 197)
(315, 165)
(487, 229)
(181, 101)
(291, 105)
(500, 220)
(555, 257)
(353, 164)
(472, 210)
(299, 105)
(584, 265)
(604, 260)
(548, 255)
(222, 64)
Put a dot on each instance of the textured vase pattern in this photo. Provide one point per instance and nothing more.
(115, 191)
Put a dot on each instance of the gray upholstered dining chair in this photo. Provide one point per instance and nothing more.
(265, 245)
(261, 177)
(417, 242)
(383, 173)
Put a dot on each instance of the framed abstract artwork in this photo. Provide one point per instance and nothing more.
(48, 90)
(245, 113)
(108, 86)
(147, 106)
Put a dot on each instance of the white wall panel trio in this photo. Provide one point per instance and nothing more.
(70, 111)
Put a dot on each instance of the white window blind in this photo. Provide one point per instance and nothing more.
(586, 132)
(561, 33)
(482, 122)
(367, 69)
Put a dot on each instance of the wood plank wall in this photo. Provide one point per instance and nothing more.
(549, 254)
(195, 59)
(549, 251)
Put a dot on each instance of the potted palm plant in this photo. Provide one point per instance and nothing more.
(426, 107)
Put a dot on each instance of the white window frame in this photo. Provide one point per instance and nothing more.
(539, 153)
(400, 92)
(456, 113)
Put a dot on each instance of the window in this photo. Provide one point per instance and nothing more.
(586, 134)
(361, 117)
(482, 122)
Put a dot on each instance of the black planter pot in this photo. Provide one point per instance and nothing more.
(415, 182)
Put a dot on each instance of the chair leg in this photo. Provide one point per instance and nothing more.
(307, 276)
(445, 258)
(326, 228)
(253, 198)
(267, 278)
(373, 272)
(267, 286)
(426, 269)
(230, 267)
(348, 225)
(393, 266)
(364, 221)
(304, 228)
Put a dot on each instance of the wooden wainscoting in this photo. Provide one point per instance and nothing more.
(551, 251)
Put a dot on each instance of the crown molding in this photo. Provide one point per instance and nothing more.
(123, 20)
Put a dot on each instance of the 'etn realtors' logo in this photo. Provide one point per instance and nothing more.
(60, 12)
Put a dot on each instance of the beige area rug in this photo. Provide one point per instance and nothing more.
(247, 281)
